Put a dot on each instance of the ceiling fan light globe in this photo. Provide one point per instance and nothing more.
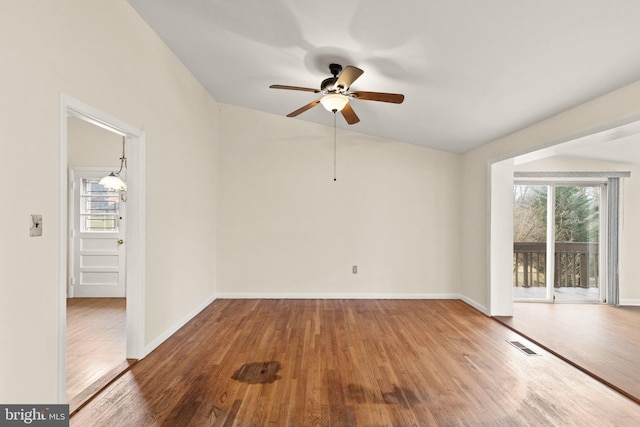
(334, 102)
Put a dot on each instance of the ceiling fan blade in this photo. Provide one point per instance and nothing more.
(305, 89)
(305, 108)
(395, 98)
(348, 76)
(349, 115)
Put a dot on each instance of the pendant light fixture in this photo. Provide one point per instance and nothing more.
(113, 180)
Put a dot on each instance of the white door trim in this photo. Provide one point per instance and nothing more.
(135, 232)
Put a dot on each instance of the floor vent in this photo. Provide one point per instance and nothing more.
(523, 348)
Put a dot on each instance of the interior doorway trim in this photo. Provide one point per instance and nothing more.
(135, 231)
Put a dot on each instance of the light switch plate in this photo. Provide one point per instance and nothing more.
(36, 226)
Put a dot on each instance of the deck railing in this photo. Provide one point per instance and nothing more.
(576, 264)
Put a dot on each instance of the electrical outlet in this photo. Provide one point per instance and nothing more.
(36, 226)
(354, 269)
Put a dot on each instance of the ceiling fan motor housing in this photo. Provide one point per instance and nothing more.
(335, 69)
(329, 85)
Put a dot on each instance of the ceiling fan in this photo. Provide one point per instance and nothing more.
(336, 93)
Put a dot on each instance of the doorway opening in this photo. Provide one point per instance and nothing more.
(96, 296)
(609, 154)
(88, 263)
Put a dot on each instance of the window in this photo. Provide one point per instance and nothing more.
(99, 207)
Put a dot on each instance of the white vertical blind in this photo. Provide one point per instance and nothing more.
(613, 204)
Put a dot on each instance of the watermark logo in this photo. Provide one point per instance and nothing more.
(34, 415)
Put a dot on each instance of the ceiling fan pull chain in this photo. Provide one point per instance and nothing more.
(334, 145)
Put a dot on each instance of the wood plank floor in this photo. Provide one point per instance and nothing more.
(351, 363)
(602, 340)
(96, 341)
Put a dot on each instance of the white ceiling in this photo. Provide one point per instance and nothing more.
(471, 71)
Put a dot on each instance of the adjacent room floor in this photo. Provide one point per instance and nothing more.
(602, 340)
(96, 342)
(352, 363)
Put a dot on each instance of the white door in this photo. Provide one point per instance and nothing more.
(97, 237)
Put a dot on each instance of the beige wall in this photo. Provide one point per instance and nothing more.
(286, 228)
(104, 55)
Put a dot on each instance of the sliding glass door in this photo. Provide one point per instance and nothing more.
(530, 242)
(557, 234)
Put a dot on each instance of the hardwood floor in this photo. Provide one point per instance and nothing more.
(351, 363)
(604, 341)
(96, 342)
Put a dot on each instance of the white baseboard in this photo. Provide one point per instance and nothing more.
(630, 302)
(173, 329)
(482, 309)
(250, 295)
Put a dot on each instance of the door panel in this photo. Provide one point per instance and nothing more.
(530, 258)
(98, 229)
(577, 242)
(99, 261)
